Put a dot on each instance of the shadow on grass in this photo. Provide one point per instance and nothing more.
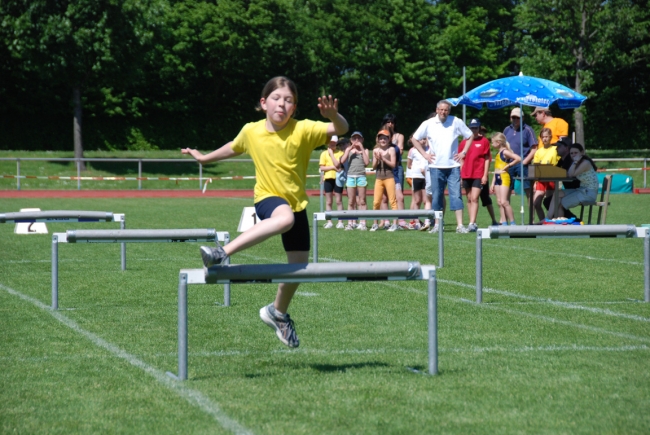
(329, 368)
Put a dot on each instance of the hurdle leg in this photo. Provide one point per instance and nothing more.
(433, 323)
(182, 327)
(646, 258)
(226, 287)
(441, 244)
(55, 272)
(479, 267)
(123, 248)
(315, 237)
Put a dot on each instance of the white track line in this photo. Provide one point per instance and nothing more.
(193, 397)
(567, 305)
(559, 254)
(540, 317)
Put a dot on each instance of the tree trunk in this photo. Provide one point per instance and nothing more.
(76, 125)
(579, 116)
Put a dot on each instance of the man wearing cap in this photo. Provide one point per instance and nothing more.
(558, 126)
(441, 132)
(519, 134)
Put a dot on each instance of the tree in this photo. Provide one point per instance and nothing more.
(79, 45)
(568, 40)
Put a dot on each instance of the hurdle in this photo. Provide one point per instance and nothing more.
(380, 214)
(561, 231)
(132, 236)
(313, 273)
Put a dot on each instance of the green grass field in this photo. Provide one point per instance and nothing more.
(561, 343)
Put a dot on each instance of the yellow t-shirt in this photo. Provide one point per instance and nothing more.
(281, 158)
(546, 156)
(559, 128)
(326, 160)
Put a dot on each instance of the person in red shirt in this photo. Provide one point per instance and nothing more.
(474, 172)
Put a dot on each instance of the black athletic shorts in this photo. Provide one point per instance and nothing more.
(329, 185)
(297, 238)
(469, 183)
(418, 184)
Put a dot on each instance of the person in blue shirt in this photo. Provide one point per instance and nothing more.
(514, 133)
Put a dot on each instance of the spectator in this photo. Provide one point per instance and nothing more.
(565, 163)
(520, 136)
(356, 158)
(546, 155)
(584, 169)
(415, 170)
(442, 133)
(397, 140)
(558, 126)
(474, 171)
(383, 162)
(329, 166)
(504, 160)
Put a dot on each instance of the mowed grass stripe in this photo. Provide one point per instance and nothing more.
(194, 397)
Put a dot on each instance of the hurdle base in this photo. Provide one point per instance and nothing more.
(173, 376)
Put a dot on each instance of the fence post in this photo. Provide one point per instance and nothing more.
(200, 176)
(645, 172)
(17, 174)
(139, 174)
(78, 174)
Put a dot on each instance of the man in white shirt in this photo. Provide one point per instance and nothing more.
(441, 132)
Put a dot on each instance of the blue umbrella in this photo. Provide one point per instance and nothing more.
(520, 90)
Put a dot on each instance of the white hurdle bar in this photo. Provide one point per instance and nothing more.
(132, 236)
(561, 231)
(380, 214)
(308, 272)
(60, 216)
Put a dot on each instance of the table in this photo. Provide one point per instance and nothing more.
(556, 197)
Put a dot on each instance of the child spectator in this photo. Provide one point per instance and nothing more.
(545, 155)
(474, 171)
(329, 166)
(383, 162)
(415, 169)
(356, 158)
(504, 160)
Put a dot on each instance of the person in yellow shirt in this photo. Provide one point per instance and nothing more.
(280, 148)
(545, 155)
(330, 164)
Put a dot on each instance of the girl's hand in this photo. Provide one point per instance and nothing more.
(484, 180)
(328, 106)
(492, 189)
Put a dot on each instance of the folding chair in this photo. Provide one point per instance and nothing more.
(602, 204)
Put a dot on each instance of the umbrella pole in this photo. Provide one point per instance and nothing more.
(521, 164)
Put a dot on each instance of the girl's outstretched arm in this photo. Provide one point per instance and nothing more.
(222, 153)
(329, 108)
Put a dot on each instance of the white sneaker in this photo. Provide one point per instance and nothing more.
(328, 225)
(340, 225)
(472, 228)
(434, 229)
(362, 227)
(393, 228)
(462, 230)
(374, 227)
(349, 227)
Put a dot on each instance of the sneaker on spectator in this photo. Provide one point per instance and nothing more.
(349, 227)
(472, 228)
(393, 228)
(212, 256)
(374, 227)
(462, 230)
(424, 227)
(340, 225)
(282, 324)
(434, 229)
(495, 224)
(362, 227)
(328, 225)
(386, 225)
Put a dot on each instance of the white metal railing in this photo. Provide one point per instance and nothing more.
(139, 161)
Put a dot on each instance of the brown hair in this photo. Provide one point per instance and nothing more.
(545, 130)
(277, 83)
